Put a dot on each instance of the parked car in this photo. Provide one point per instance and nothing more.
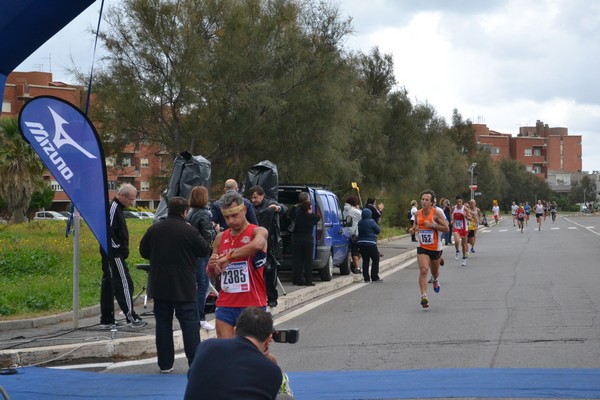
(131, 214)
(49, 215)
(65, 214)
(146, 214)
(331, 245)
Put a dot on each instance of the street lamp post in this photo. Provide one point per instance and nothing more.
(472, 187)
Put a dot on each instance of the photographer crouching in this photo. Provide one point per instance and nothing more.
(240, 367)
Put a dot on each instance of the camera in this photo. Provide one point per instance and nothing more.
(286, 335)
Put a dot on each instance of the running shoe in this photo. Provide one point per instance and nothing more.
(457, 255)
(472, 250)
(430, 280)
(137, 323)
(207, 326)
(464, 262)
(436, 285)
(424, 301)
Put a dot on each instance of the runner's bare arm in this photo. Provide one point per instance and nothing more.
(258, 243)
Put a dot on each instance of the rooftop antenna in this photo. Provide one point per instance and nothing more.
(49, 58)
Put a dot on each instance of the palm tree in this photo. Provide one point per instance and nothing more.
(20, 169)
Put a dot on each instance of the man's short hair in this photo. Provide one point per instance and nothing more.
(254, 322)
(303, 197)
(178, 205)
(459, 197)
(428, 191)
(229, 198)
(231, 184)
(126, 188)
(258, 190)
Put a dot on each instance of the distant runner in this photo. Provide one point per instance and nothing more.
(539, 213)
(460, 217)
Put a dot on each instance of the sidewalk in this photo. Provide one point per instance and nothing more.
(53, 339)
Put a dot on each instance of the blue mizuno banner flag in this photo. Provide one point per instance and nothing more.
(68, 144)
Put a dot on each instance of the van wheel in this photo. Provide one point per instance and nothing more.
(345, 265)
(327, 270)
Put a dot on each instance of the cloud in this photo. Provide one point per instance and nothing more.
(504, 63)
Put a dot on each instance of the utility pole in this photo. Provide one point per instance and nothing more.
(472, 187)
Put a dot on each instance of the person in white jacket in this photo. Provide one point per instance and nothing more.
(352, 209)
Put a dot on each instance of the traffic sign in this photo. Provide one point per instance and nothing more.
(473, 187)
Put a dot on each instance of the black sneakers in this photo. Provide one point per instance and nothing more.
(137, 323)
(108, 327)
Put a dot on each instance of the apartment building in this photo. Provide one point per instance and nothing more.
(137, 164)
(551, 153)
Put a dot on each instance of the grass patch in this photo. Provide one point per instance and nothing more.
(36, 266)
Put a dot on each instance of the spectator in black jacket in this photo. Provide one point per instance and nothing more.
(217, 217)
(267, 212)
(199, 216)
(172, 246)
(116, 281)
(237, 368)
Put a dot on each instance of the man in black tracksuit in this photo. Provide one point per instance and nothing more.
(267, 213)
(116, 281)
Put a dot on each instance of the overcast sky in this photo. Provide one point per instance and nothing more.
(505, 63)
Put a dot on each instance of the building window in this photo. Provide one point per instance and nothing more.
(144, 186)
(6, 106)
(126, 161)
(537, 151)
(112, 185)
(527, 152)
(536, 169)
(495, 150)
(110, 161)
(144, 163)
(54, 185)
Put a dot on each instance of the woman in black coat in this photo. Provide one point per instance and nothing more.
(303, 241)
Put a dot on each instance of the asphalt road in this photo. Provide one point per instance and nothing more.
(525, 300)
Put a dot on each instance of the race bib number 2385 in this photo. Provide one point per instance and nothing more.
(235, 278)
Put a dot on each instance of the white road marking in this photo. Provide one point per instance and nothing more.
(554, 229)
(335, 295)
(588, 228)
(572, 227)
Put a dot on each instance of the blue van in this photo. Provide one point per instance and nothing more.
(331, 245)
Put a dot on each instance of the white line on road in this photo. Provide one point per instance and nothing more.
(585, 227)
(335, 295)
(572, 227)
